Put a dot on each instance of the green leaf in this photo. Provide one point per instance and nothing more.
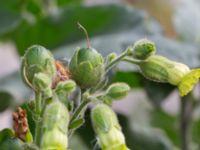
(133, 79)
(168, 123)
(6, 100)
(64, 25)
(5, 134)
(9, 20)
(76, 123)
(157, 92)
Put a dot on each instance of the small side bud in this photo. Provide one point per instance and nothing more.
(42, 83)
(107, 128)
(67, 86)
(111, 57)
(117, 90)
(143, 48)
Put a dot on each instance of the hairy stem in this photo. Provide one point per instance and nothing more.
(132, 60)
(38, 98)
(186, 111)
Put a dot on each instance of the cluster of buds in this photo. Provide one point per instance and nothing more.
(38, 69)
(20, 125)
(161, 69)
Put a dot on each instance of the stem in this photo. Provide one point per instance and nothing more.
(38, 98)
(132, 60)
(115, 61)
(86, 34)
(79, 110)
(186, 110)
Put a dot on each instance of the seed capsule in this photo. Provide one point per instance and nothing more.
(86, 67)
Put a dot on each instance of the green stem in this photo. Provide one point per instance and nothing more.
(132, 60)
(79, 110)
(38, 98)
(187, 107)
(115, 61)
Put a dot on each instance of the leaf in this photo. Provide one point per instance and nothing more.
(64, 25)
(133, 79)
(76, 123)
(6, 100)
(188, 82)
(157, 92)
(9, 20)
(168, 123)
(5, 134)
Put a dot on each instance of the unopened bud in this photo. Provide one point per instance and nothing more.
(67, 86)
(117, 90)
(37, 59)
(161, 69)
(111, 57)
(42, 83)
(55, 125)
(143, 49)
(107, 128)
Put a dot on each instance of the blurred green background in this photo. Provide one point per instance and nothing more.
(150, 115)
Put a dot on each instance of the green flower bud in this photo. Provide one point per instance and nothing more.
(54, 140)
(143, 48)
(117, 90)
(86, 67)
(41, 82)
(111, 57)
(37, 59)
(107, 128)
(67, 86)
(161, 69)
(55, 125)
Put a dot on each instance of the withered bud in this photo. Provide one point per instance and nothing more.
(20, 123)
(62, 73)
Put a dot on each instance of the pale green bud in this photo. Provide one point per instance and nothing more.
(67, 86)
(55, 126)
(86, 67)
(42, 83)
(107, 128)
(117, 90)
(161, 69)
(111, 57)
(54, 139)
(37, 59)
(143, 48)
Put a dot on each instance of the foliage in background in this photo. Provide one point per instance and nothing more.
(54, 26)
